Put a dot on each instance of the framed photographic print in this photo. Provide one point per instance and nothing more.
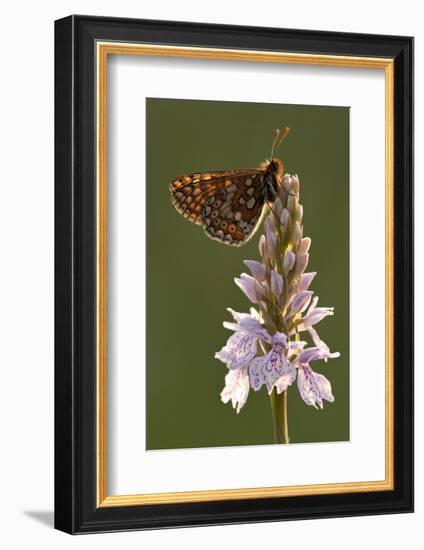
(234, 274)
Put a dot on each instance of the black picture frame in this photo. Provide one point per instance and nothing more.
(76, 509)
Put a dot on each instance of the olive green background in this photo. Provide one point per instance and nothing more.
(190, 277)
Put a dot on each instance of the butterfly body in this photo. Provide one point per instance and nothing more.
(228, 204)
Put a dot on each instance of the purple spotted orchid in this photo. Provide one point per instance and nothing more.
(266, 348)
(246, 368)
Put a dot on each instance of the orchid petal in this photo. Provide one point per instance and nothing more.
(324, 386)
(317, 315)
(254, 314)
(236, 315)
(313, 387)
(248, 324)
(301, 301)
(250, 287)
(279, 338)
(270, 367)
(306, 280)
(256, 374)
(301, 264)
(239, 350)
(236, 388)
(304, 245)
(322, 346)
(287, 379)
(307, 355)
(314, 315)
(257, 269)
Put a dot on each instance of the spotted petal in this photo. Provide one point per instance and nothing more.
(286, 379)
(256, 375)
(239, 350)
(313, 387)
(269, 368)
(236, 388)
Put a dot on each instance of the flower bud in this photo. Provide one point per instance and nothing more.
(250, 286)
(289, 260)
(271, 223)
(296, 234)
(301, 264)
(298, 214)
(292, 203)
(257, 269)
(295, 184)
(282, 194)
(277, 207)
(285, 220)
(287, 183)
(276, 284)
(304, 245)
(306, 280)
(270, 237)
(301, 301)
(261, 246)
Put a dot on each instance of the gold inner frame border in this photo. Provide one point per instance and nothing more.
(103, 50)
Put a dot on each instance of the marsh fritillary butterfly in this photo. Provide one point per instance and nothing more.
(229, 204)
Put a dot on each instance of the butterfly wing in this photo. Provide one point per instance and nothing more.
(190, 193)
(233, 213)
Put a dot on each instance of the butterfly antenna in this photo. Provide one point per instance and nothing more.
(276, 135)
(283, 137)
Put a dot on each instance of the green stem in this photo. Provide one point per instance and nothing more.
(279, 416)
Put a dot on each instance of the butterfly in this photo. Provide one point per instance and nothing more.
(230, 204)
